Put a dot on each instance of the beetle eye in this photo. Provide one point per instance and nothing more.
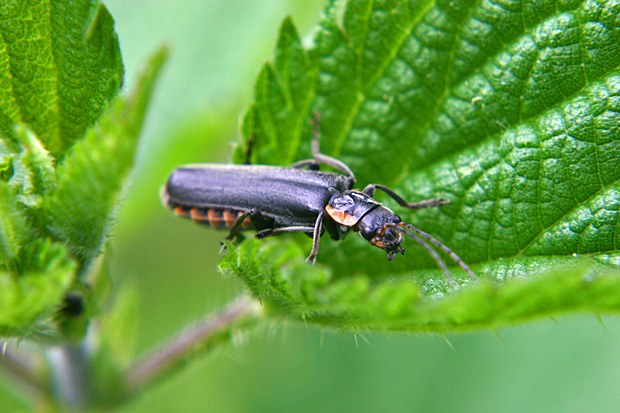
(390, 235)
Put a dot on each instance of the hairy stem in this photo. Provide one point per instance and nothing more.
(214, 329)
(71, 375)
(22, 366)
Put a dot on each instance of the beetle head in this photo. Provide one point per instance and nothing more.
(380, 228)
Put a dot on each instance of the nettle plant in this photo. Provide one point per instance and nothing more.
(511, 112)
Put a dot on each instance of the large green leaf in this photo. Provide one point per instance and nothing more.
(509, 110)
(60, 65)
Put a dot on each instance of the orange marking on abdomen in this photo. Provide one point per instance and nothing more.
(230, 217)
(198, 215)
(181, 211)
(215, 218)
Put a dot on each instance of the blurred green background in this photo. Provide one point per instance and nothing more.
(218, 47)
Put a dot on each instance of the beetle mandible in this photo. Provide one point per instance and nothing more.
(298, 198)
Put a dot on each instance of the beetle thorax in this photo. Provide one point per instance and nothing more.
(361, 213)
(348, 207)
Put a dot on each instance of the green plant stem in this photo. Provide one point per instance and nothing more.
(206, 334)
(71, 378)
(21, 366)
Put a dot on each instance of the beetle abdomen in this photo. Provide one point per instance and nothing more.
(215, 218)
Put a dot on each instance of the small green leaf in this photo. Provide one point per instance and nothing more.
(38, 167)
(7, 168)
(67, 148)
(28, 299)
(14, 231)
(92, 174)
(509, 111)
(60, 66)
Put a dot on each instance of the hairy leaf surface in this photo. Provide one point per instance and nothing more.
(510, 110)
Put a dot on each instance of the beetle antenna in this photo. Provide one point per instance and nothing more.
(409, 230)
(434, 254)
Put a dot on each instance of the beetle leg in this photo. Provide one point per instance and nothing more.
(316, 230)
(370, 191)
(312, 164)
(273, 231)
(328, 160)
(235, 230)
(316, 237)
